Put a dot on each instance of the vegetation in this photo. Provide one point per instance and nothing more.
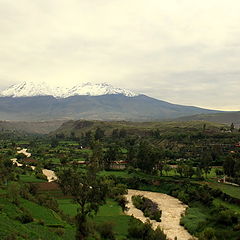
(148, 207)
(97, 161)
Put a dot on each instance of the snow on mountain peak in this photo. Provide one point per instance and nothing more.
(98, 89)
(30, 89)
(27, 89)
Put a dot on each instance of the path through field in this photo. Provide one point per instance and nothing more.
(171, 208)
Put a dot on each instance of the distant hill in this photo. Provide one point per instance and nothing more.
(226, 118)
(80, 127)
(30, 127)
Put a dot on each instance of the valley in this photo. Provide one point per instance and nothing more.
(177, 165)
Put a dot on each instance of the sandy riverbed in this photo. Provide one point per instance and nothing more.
(51, 176)
(171, 208)
(24, 151)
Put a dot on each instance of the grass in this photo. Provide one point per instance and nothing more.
(110, 212)
(123, 174)
(195, 217)
(230, 206)
(228, 189)
(39, 212)
(68, 206)
(30, 178)
(10, 226)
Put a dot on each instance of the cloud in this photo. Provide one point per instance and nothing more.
(184, 51)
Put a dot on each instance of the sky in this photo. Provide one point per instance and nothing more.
(181, 51)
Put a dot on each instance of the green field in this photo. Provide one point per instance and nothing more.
(110, 212)
(228, 189)
(234, 207)
(195, 216)
(30, 178)
(45, 225)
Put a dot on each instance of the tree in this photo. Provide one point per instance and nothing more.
(54, 142)
(96, 159)
(115, 133)
(13, 192)
(167, 168)
(122, 133)
(229, 165)
(88, 139)
(6, 171)
(144, 159)
(99, 134)
(206, 162)
(88, 191)
(112, 154)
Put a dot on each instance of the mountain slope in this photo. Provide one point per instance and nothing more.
(103, 107)
(226, 118)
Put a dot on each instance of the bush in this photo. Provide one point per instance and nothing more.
(59, 231)
(144, 231)
(12, 236)
(41, 222)
(208, 234)
(40, 176)
(148, 207)
(106, 230)
(227, 217)
(13, 192)
(48, 201)
(122, 202)
(25, 217)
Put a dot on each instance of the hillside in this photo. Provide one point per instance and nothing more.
(44, 127)
(103, 107)
(137, 128)
(225, 118)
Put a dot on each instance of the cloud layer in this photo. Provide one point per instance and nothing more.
(183, 51)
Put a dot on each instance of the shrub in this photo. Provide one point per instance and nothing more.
(41, 222)
(227, 217)
(25, 217)
(12, 236)
(48, 201)
(144, 231)
(208, 234)
(13, 192)
(106, 230)
(148, 207)
(59, 231)
(122, 202)
(40, 176)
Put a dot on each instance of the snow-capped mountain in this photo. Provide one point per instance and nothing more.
(97, 90)
(21, 102)
(30, 89)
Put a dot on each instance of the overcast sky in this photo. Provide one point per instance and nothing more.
(182, 51)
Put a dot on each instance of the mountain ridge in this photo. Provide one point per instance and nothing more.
(103, 107)
(31, 89)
